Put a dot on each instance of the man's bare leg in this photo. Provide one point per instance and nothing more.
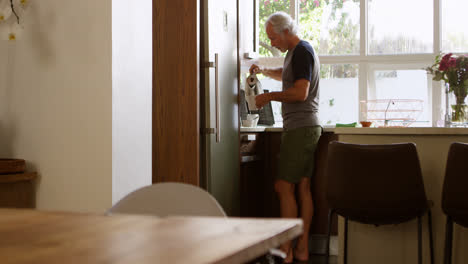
(301, 251)
(288, 208)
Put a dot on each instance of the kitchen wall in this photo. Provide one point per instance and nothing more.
(246, 38)
(56, 96)
(131, 95)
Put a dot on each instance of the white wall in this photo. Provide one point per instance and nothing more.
(56, 106)
(57, 86)
(131, 95)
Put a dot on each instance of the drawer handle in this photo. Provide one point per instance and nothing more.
(249, 137)
(245, 159)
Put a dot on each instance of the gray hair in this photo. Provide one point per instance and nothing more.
(281, 21)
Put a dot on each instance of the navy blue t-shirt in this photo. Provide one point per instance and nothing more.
(301, 62)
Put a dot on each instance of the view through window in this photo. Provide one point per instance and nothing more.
(372, 50)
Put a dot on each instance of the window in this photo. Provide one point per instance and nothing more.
(372, 50)
(395, 27)
(454, 29)
(332, 28)
(407, 87)
(341, 94)
(266, 8)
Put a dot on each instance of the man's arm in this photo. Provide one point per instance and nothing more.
(275, 74)
(297, 93)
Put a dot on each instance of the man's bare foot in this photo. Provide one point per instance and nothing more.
(289, 255)
(301, 251)
(298, 258)
(288, 260)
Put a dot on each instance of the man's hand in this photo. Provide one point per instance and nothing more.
(262, 99)
(255, 69)
(275, 74)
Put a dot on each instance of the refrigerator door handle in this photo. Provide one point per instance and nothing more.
(209, 130)
(218, 128)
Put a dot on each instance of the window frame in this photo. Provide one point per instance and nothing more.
(364, 60)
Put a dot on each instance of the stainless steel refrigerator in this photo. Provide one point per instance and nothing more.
(219, 90)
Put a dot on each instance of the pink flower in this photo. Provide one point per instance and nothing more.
(443, 66)
(446, 57)
(317, 3)
(444, 63)
(267, 2)
(452, 63)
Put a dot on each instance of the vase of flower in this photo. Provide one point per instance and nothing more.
(457, 107)
(453, 70)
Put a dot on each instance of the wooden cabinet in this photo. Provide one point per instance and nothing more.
(259, 165)
(318, 186)
(18, 190)
(252, 174)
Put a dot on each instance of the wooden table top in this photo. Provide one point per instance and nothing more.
(32, 236)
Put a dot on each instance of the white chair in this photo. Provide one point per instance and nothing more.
(172, 198)
(169, 198)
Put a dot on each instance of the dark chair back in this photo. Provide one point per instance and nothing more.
(454, 193)
(375, 184)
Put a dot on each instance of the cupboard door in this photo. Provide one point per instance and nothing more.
(219, 109)
(253, 177)
(175, 91)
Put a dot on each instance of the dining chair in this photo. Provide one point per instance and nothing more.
(172, 199)
(454, 197)
(378, 185)
(169, 198)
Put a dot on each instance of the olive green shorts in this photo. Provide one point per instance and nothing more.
(297, 153)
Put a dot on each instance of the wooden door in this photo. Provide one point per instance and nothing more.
(176, 91)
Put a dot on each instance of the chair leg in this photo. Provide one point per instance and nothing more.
(327, 245)
(448, 241)
(345, 255)
(419, 240)
(431, 239)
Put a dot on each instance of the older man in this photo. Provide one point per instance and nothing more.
(302, 130)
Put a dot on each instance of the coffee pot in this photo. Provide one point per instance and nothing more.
(253, 87)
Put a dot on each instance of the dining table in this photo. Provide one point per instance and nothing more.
(40, 236)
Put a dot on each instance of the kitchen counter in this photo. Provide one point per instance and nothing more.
(259, 151)
(400, 131)
(261, 128)
(399, 243)
(275, 128)
(371, 130)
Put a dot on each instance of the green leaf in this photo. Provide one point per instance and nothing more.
(438, 76)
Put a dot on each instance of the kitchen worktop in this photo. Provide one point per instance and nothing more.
(275, 128)
(432, 144)
(371, 130)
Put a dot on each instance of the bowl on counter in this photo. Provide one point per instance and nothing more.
(251, 121)
(365, 123)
